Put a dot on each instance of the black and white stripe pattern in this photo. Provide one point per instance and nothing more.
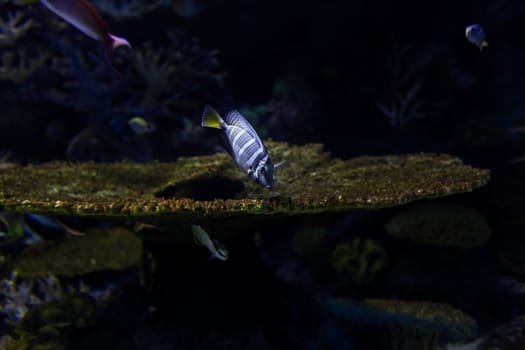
(247, 149)
(242, 142)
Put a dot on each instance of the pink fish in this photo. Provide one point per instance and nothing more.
(82, 15)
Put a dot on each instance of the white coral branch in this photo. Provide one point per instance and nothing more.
(13, 27)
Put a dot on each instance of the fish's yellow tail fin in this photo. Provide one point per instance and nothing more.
(211, 119)
(483, 44)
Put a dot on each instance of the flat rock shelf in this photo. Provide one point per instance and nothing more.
(212, 186)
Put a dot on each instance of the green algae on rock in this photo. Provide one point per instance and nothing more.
(98, 250)
(443, 225)
(400, 324)
(213, 186)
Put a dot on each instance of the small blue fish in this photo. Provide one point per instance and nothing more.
(476, 35)
(217, 249)
(140, 126)
(243, 144)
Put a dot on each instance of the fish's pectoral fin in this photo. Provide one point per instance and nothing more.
(196, 236)
(210, 118)
(223, 140)
(280, 164)
(72, 231)
(196, 239)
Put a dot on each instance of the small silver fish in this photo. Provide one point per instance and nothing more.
(217, 249)
(140, 126)
(476, 35)
(243, 144)
(82, 15)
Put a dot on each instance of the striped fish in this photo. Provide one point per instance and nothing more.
(243, 144)
(216, 249)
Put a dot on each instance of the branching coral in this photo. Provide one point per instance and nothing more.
(168, 73)
(18, 69)
(15, 64)
(405, 102)
(147, 81)
(405, 98)
(18, 295)
(13, 27)
(89, 83)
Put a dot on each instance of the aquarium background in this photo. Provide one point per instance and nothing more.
(359, 77)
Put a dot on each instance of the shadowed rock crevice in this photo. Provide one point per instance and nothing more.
(203, 189)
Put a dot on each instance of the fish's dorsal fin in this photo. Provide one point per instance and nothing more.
(237, 119)
(196, 236)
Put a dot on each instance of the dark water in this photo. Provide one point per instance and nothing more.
(360, 77)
